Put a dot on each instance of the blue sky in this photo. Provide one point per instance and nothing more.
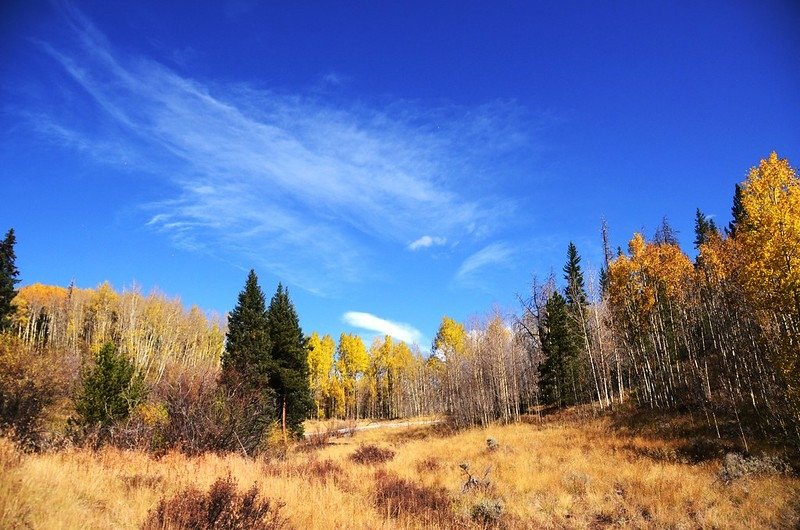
(391, 162)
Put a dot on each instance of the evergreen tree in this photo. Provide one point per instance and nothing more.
(110, 389)
(701, 229)
(558, 373)
(738, 213)
(245, 393)
(288, 371)
(8, 279)
(246, 358)
(575, 291)
(576, 305)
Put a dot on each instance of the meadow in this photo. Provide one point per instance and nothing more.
(567, 471)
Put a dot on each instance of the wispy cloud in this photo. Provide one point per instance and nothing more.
(427, 241)
(286, 181)
(370, 322)
(494, 254)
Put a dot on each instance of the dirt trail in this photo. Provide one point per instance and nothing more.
(369, 426)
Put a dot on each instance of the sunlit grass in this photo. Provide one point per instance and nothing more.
(544, 476)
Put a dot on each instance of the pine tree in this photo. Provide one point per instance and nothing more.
(110, 389)
(247, 356)
(702, 228)
(288, 372)
(576, 306)
(738, 213)
(575, 291)
(8, 279)
(559, 370)
(245, 398)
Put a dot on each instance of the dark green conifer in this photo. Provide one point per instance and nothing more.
(8, 278)
(738, 213)
(110, 389)
(558, 373)
(575, 291)
(246, 358)
(289, 368)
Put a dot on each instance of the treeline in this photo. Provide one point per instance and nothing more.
(153, 330)
(718, 334)
(476, 375)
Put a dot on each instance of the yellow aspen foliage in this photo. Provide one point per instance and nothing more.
(320, 368)
(637, 280)
(402, 357)
(353, 358)
(770, 238)
(770, 244)
(352, 363)
(336, 397)
(451, 339)
(719, 258)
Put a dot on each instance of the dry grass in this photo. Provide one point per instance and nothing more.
(554, 475)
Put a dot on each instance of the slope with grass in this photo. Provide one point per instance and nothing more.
(559, 473)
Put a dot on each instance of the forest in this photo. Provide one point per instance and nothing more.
(715, 336)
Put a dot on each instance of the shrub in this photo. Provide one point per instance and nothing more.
(398, 496)
(27, 387)
(206, 416)
(110, 389)
(428, 464)
(736, 466)
(487, 512)
(222, 508)
(576, 483)
(371, 454)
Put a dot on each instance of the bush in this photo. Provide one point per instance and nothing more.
(371, 454)
(222, 508)
(736, 466)
(110, 389)
(27, 387)
(205, 416)
(398, 496)
(487, 512)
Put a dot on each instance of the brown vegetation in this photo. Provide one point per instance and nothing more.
(550, 475)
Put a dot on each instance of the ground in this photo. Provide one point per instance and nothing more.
(567, 472)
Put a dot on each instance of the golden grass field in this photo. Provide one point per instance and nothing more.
(557, 474)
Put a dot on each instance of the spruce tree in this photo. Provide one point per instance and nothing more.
(558, 373)
(246, 358)
(738, 213)
(575, 291)
(110, 389)
(576, 310)
(289, 368)
(8, 278)
(247, 401)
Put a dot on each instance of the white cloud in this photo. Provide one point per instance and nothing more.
(494, 254)
(426, 241)
(369, 322)
(284, 181)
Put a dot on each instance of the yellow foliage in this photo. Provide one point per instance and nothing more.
(652, 270)
(770, 238)
(153, 414)
(451, 339)
(770, 244)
